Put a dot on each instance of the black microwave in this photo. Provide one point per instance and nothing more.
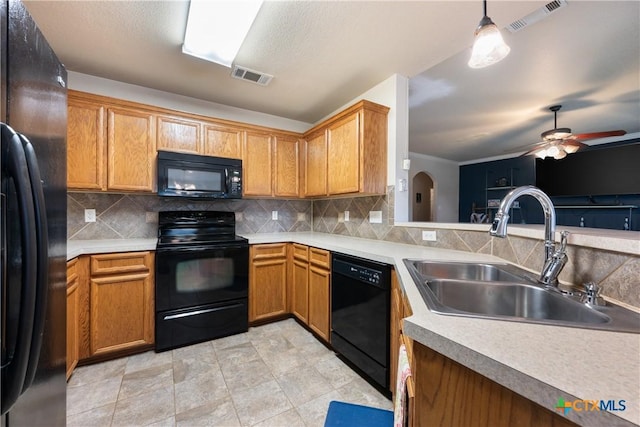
(199, 177)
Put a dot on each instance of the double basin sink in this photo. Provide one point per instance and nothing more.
(505, 292)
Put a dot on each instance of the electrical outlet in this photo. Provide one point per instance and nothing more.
(151, 217)
(375, 217)
(274, 215)
(89, 215)
(429, 235)
(346, 216)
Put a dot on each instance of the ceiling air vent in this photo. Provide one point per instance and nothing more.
(536, 15)
(252, 76)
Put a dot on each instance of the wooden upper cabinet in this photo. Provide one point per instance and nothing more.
(356, 152)
(343, 174)
(315, 165)
(86, 148)
(179, 134)
(131, 149)
(222, 141)
(286, 169)
(257, 161)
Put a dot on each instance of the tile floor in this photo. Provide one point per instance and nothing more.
(274, 375)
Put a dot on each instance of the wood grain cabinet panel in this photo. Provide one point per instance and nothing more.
(320, 301)
(300, 289)
(286, 168)
(343, 170)
(315, 169)
(450, 394)
(222, 141)
(267, 281)
(86, 148)
(121, 302)
(257, 165)
(131, 150)
(73, 316)
(179, 134)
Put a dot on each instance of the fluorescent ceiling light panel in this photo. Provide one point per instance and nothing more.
(216, 29)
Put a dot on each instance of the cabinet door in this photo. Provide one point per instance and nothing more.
(343, 168)
(299, 288)
(316, 165)
(267, 281)
(121, 307)
(178, 134)
(86, 149)
(131, 150)
(73, 317)
(223, 141)
(257, 165)
(396, 319)
(286, 169)
(319, 301)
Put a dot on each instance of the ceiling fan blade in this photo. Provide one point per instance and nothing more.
(574, 142)
(594, 135)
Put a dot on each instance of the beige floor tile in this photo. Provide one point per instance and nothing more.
(190, 369)
(336, 372)
(97, 417)
(146, 380)
(218, 413)
(98, 372)
(277, 374)
(314, 412)
(303, 385)
(290, 418)
(260, 403)
(248, 375)
(147, 360)
(202, 390)
(144, 409)
(90, 396)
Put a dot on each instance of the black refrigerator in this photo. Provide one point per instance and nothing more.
(33, 112)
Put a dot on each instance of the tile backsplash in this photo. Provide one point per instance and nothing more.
(121, 216)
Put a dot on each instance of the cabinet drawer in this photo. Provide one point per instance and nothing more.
(300, 252)
(72, 271)
(119, 263)
(273, 250)
(320, 257)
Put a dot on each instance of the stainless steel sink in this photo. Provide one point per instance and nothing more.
(505, 292)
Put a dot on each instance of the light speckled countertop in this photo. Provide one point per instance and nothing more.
(542, 363)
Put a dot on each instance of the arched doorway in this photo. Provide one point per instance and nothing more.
(422, 200)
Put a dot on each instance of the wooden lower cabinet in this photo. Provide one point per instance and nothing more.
(118, 305)
(311, 288)
(267, 281)
(73, 316)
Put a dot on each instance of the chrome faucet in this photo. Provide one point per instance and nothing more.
(554, 260)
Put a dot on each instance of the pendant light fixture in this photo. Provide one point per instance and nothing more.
(489, 46)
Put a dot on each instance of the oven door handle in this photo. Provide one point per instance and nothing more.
(198, 312)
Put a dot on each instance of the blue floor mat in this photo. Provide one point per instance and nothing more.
(352, 415)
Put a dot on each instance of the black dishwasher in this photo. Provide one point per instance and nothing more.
(360, 304)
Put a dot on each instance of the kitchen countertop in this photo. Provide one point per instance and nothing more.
(540, 362)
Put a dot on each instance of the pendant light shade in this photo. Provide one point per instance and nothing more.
(489, 46)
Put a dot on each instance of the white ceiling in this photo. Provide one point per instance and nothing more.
(325, 53)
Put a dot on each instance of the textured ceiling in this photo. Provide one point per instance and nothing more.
(325, 53)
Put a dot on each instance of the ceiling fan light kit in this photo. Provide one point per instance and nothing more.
(489, 46)
(558, 142)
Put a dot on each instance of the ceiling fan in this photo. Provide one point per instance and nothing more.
(558, 142)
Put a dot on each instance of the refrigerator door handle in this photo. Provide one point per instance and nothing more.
(42, 261)
(14, 370)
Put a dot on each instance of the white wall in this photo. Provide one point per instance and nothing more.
(446, 178)
(129, 92)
